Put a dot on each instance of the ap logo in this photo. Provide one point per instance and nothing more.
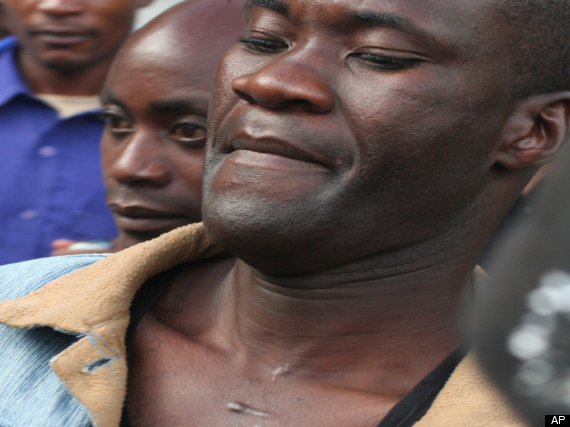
(557, 420)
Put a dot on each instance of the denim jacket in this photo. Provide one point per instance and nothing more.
(62, 340)
(31, 394)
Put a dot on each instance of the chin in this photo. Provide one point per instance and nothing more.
(66, 60)
(272, 238)
(65, 64)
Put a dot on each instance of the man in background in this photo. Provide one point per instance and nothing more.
(51, 73)
(152, 157)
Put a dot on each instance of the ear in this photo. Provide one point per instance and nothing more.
(536, 130)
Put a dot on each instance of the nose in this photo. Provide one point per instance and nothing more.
(137, 161)
(61, 7)
(286, 84)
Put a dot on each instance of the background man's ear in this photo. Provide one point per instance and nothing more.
(536, 130)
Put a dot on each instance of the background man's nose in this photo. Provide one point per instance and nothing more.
(286, 85)
(61, 7)
(138, 163)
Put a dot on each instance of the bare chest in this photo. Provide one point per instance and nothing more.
(179, 383)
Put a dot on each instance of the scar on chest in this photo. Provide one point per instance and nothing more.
(240, 408)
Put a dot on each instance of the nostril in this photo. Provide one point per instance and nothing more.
(297, 103)
(245, 96)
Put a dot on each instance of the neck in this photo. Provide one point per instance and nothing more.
(355, 318)
(86, 81)
(379, 324)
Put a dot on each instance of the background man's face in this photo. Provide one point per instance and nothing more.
(153, 145)
(335, 122)
(155, 100)
(70, 34)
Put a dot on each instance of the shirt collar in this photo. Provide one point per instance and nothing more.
(11, 81)
(102, 292)
(94, 302)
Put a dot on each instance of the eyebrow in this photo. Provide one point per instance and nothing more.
(398, 22)
(382, 19)
(176, 105)
(385, 20)
(108, 97)
(277, 5)
(192, 105)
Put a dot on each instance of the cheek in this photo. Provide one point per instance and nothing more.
(16, 18)
(223, 97)
(431, 148)
(190, 170)
(111, 151)
(114, 24)
(416, 124)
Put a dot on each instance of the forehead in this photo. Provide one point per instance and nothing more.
(449, 21)
(90, 4)
(159, 67)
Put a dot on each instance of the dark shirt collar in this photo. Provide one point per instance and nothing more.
(11, 80)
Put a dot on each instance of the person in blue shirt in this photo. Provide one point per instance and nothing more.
(51, 72)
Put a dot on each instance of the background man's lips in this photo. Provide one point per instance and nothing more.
(140, 212)
(61, 35)
(156, 225)
(146, 220)
(60, 39)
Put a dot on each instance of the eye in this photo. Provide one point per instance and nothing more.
(386, 62)
(189, 134)
(116, 123)
(262, 45)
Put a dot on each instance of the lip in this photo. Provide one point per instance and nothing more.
(61, 36)
(273, 146)
(137, 218)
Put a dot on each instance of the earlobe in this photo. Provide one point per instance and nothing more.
(535, 132)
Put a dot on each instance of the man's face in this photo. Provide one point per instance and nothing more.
(70, 34)
(345, 128)
(155, 104)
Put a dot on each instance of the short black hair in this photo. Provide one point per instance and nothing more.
(539, 32)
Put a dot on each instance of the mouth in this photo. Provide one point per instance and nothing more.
(272, 153)
(63, 37)
(140, 219)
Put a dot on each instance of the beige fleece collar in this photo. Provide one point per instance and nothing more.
(94, 303)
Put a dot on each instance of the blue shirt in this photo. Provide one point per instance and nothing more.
(51, 185)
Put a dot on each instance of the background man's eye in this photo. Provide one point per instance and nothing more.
(116, 123)
(187, 132)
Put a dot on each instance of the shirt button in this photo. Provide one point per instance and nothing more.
(47, 151)
(29, 214)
